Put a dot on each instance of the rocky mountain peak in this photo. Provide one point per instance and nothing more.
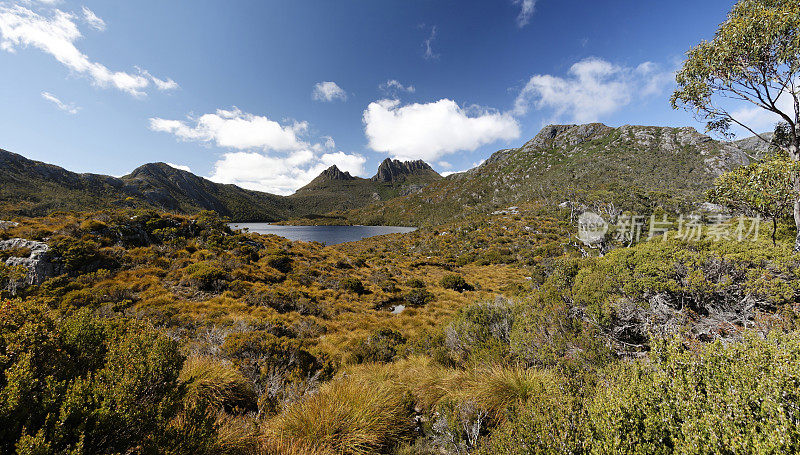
(334, 173)
(566, 135)
(393, 170)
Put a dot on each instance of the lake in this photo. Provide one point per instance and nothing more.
(329, 235)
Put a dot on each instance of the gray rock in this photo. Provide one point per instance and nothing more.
(8, 224)
(40, 264)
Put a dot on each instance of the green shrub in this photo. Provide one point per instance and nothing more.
(419, 297)
(83, 384)
(352, 285)
(263, 353)
(415, 283)
(722, 398)
(81, 256)
(550, 422)
(455, 282)
(207, 276)
(281, 262)
(481, 330)
(381, 346)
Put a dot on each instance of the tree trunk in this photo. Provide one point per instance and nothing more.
(775, 228)
(794, 153)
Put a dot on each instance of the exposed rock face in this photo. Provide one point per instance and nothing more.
(7, 224)
(754, 145)
(394, 170)
(334, 173)
(40, 264)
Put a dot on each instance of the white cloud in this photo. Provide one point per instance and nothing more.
(91, 18)
(179, 166)
(237, 130)
(161, 84)
(280, 175)
(266, 156)
(56, 35)
(68, 108)
(758, 119)
(428, 45)
(393, 86)
(430, 131)
(593, 88)
(474, 165)
(526, 11)
(328, 91)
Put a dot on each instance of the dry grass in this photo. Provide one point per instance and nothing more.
(500, 389)
(349, 416)
(218, 384)
(496, 389)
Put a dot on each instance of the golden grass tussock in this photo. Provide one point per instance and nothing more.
(211, 381)
(500, 389)
(496, 389)
(353, 415)
(237, 434)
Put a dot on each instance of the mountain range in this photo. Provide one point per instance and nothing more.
(634, 168)
(629, 167)
(34, 188)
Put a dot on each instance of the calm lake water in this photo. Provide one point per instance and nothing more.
(329, 235)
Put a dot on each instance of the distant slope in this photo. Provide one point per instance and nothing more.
(634, 167)
(34, 188)
(754, 145)
(336, 190)
(175, 189)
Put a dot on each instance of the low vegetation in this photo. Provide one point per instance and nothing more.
(177, 334)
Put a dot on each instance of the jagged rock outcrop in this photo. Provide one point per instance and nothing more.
(391, 171)
(334, 173)
(8, 224)
(40, 263)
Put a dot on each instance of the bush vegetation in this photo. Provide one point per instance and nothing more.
(183, 336)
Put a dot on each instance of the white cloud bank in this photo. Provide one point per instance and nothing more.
(328, 91)
(56, 35)
(266, 156)
(430, 131)
(68, 108)
(593, 88)
(237, 130)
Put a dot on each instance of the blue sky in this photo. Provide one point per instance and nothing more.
(266, 94)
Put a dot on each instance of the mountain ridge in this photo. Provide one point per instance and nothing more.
(34, 188)
(631, 166)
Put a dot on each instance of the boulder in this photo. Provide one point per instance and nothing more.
(40, 264)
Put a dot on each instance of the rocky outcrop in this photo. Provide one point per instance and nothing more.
(7, 224)
(334, 173)
(754, 146)
(39, 263)
(391, 171)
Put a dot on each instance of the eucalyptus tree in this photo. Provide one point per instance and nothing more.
(754, 57)
(764, 188)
